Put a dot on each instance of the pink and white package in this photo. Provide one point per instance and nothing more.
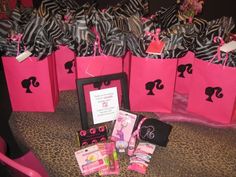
(140, 160)
(124, 126)
(90, 160)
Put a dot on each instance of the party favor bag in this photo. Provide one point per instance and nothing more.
(65, 64)
(92, 66)
(212, 93)
(184, 73)
(32, 84)
(152, 84)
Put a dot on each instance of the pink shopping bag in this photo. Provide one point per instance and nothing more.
(32, 84)
(65, 65)
(96, 66)
(152, 84)
(213, 91)
(184, 73)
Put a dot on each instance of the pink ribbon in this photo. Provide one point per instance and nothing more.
(17, 37)
(97, 43)
(154, 35)
(215, 40)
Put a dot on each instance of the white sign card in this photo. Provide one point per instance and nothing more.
(105, 105)
(228, 47)
(23, 56)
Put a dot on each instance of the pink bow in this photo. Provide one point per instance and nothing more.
(154, 35)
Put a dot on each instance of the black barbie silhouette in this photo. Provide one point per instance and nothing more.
(68, 65)
(27, 82)
(150, 86)
(209, 91)
(183, 68)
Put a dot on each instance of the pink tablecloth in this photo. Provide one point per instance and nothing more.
(180, 114)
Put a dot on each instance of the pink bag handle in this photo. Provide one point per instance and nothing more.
(154, 35)
(135, 135)
(17, 38)
(97, 43)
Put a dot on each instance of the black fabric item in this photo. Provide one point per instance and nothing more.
(155, 131)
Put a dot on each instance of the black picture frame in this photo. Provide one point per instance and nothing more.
(122, 77)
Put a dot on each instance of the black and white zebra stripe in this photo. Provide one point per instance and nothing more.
(168, 17)
(48, 9)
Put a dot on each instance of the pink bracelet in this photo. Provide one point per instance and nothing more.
(139, 127)
(133, 138)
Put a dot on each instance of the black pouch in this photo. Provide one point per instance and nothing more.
(155, 131)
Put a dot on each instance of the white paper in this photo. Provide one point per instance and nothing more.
(105, 105)
(23, 56)
(228, 47)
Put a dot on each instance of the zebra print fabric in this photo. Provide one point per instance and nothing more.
(220, 27)
(6, 26)
(168, 17)
(120, 28)
(115, 44)
(48, 9)
(209, 52)
(9, 47)
(41, 36)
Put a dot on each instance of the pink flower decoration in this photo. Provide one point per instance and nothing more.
(92, 130)
(94, 141)
(84, 143)
(101, 128)
(191, 8)
(103, 139)
(82, 133)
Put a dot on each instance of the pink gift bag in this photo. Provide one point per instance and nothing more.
(184, 73)
(213, 91)
(32, 84)
(152, 84)
(96, 66)
(65, 65)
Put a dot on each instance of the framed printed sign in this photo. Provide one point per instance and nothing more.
(101, 98)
